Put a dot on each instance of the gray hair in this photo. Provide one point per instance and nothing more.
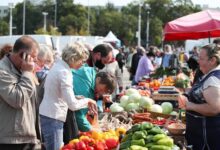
(45, 51)
(74, 52)
(213, 50)
(167, 48)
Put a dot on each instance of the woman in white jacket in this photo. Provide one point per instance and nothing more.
(59, 95)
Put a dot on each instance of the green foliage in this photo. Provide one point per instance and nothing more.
(160, 72)
(4, 28)
(72, 19)
(52, 31)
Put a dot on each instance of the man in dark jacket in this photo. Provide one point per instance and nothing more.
(134, 62)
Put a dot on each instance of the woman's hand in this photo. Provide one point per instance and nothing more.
(92, 107)
(182, 100)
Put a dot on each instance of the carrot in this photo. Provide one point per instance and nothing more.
(142, 114)
(143, 118)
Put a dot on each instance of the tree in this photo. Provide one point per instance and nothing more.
(52, 31)
(4, 30)
(156, 31)
(33, 18)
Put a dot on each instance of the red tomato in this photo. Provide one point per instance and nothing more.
(68, 147)
(80, 146)
(99, 146)
(85, 133)
(90, 148)
(111, 143)
(91, 142)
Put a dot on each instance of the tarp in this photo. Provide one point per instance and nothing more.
(204, 24)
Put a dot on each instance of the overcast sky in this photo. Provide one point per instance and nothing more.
(211, 3)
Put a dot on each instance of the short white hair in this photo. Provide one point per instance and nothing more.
(74, 52)
(45, 51)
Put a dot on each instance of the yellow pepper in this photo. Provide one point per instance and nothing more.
(96, 135)
(74, 141)
(120, 130)
(83, 137)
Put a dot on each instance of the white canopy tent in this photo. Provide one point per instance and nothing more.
(110, 37)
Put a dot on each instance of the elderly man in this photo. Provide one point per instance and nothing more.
(19, 128)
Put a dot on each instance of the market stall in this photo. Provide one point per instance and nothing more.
(140, 120)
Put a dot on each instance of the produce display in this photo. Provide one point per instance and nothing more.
(155, 84)
(136, 122)
(96, 140)
(168, 81)
(146, 136)
(132, 100)
(113, 121)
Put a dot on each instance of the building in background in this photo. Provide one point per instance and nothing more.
(4, 10)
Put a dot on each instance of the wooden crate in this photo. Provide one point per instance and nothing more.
(155, 115)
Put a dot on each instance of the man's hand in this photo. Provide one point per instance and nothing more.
(107, 98)
(27, 64)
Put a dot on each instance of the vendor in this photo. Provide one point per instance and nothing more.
(202, 103)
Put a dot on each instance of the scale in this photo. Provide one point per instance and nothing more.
(167, 90)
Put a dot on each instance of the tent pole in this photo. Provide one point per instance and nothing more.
(209, 38)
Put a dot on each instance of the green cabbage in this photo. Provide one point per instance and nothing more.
(167, 107)
(115, 107)
(156, 108)
(146, 102)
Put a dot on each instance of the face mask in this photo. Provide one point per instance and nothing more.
(99, 64)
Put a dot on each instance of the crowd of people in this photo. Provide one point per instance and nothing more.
(50, 100)
(202, 101)
(42, 95)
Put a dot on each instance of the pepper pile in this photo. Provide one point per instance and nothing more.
(146, 136)
(96, 140)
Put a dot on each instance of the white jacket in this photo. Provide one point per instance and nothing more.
(58, 94)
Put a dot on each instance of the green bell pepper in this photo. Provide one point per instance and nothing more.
(146, 126)
(137, 147)
(165, 141)
(160, 147)
(136, 127)
(125, 145)
(140, 142)
(158, 137)
(156, 130)
(138, 135)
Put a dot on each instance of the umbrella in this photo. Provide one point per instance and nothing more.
(204, 24)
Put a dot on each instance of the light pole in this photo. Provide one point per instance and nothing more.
(147, 28)
(11, 5)
(24, 15)
(55, 14)
(45, 20)
(139, 25)
(88, 28)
